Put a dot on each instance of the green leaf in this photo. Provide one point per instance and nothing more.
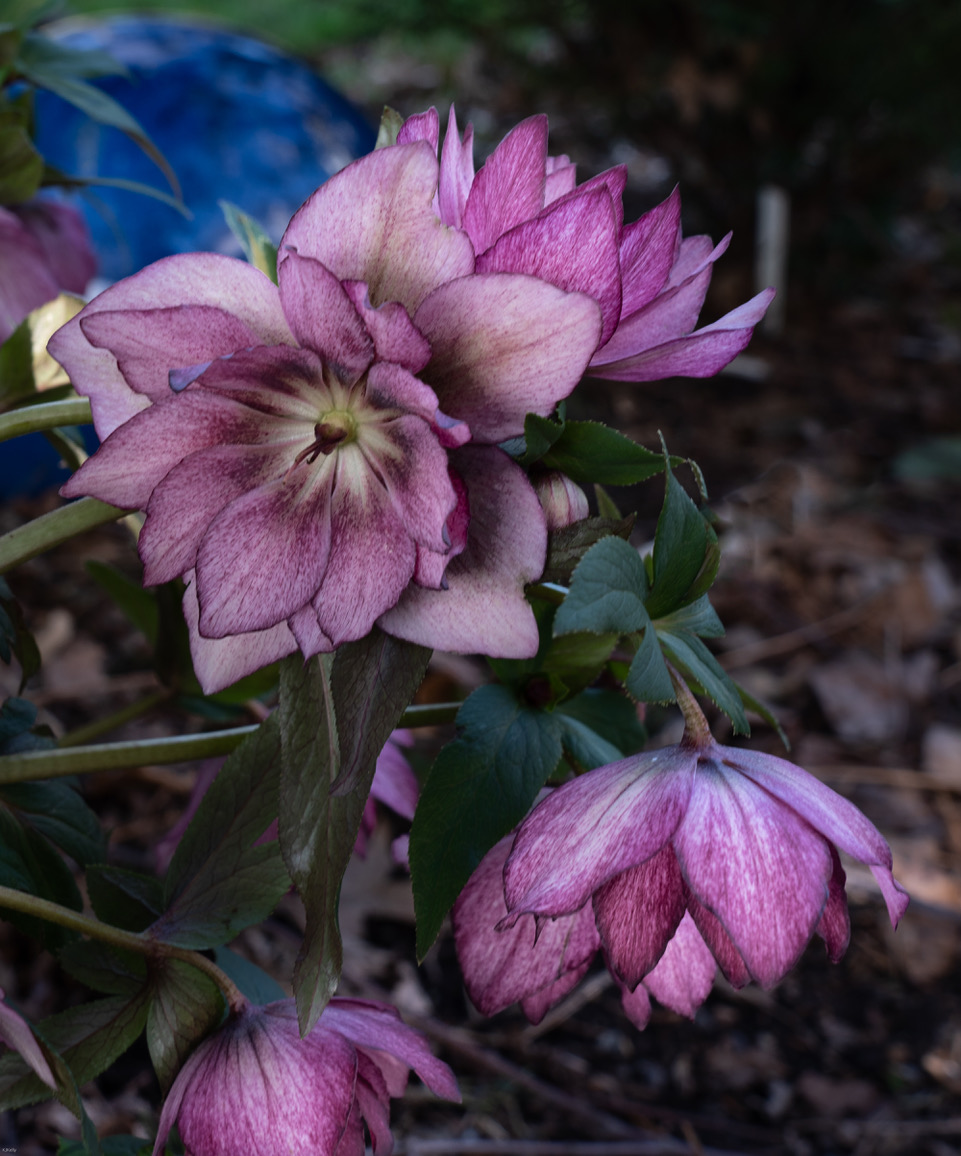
(586, 747)
(109, 1146)
(606, 506)
(648, 678)
(88, 1038)
(258, 248)
(698, 617)
(567, 546)
(578, 659)
(57, 810)
(692, 658)
(28, 862)
(540, 433)
(761, 708)
(609, 714)
(21, 166)
(220, 880)
(125, 898)
(17, 733)
(588, 451)
(607, 592)
(683, 544)
(104, 968)
(480, 786)
(185, 1005)
(16, 367)
(138, 604)
(336, 713)
(15, 639)
(253, 981)
(39, 52)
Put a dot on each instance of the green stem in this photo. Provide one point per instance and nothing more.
(51, 529)
(547, 592)
(76, 760)
(102, 726)
(140, 942)
(45, 415)
(697, 731)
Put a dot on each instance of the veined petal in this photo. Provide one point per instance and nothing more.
(187, 279)
(372, 1097)
(510, 186)
(601, 824)
(505, 345)
(421, 126)
(760, 868)
(396, 338)
(502, 967)
(693, 255)
(61, 233)
(647, 253)
(322, 316)
(27, 282)
(278, 381)
(671, 314)
(536, 1006)
(837, 819)
(835, 924)
(684, 975)
(149, 343)
(220, 662)
(637, 913)
(483, 610)
(374, 222)
(637, 1006)
(395, 784)
(306, 629)
(265, 554)
(573, 245)
(456, 172)
(720, 943)
(561, 179)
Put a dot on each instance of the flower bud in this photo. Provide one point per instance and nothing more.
(563, 501)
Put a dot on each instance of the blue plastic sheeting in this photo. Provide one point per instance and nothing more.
(236, 119)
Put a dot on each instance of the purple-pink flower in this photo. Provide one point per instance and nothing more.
(257, 1086)
(44, 248)
(17, 1034)
(668, 861)
(525, 213)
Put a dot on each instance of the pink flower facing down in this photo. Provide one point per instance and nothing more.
(525, 213)
(44, 248)
(301, 450)
(668, 861)
(256, 1086)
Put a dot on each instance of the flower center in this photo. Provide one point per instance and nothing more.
(336, 428)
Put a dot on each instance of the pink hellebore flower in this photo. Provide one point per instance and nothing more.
(44, 247)
(674, 856)
(16, 1033)
(301, 450)
(256, 1086)
(525, 213)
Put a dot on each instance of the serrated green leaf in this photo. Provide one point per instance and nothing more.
(762, 709)
(336, 713)
(21, 166)
(124, 898)
(607, 593)
(57, 810)
(681, 545)
(28, 862)
(584, 745)
(185, 1005)
(698, 618)
(588, 451)
(609, 714)
(648, 678)
(104, 968)
(258, 248)
(220, 880)
(689, 654)
(88, 1038)
(480, 786)
(540, 433)
(137, 603)
(578, 659)
(567, 546)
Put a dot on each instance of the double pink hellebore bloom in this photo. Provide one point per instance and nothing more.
(321, 456)
(256, 1086)
(674, 862)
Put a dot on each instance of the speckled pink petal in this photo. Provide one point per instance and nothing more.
(684, 975)
(647, 253)
(28, 281)
(760, 868)
(505, 345)
(372, 1098)
(396, 338)
(720, 943)
(605, 822)
(637, 912)
(374, 222)
(671, 314)
(456, 172)
(306, 629)
(637, 1006)
(835, 925)
(509, 188)
(483, 610)
(561, 179)
(395, 784)
(61, 232)
(421, 126)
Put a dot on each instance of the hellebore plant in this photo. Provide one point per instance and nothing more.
(351, 451)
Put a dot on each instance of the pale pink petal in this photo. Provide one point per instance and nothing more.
(837, 819)
(561, 179)
(456, 172)
(684, 975)
(595, 827)
(374, 222)
(671, 314)
(483, 610)
(27, 281)
(16, 1033)
(761, 869)
(393, 387)
(396, 338)
(62, 235)
(573, 245)
(421, 126)
(306, 629)
(220, 662)
(322, 316)
(505, 345)
(647, 253)
(395, 784)
(637, 1006)
(431, 565)
(263, 557)
(835, 925)
(637, 912)
(226, 283)
(502, 967)
(510, 186)
(694, 254)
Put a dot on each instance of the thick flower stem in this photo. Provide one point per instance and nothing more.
(697, 732)
(51, 529)
(140, 942)
(102, 726)
(47, 415)
(75, 760)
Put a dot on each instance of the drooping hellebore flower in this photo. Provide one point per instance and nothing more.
(679, 854)
(320, 456)
(44, 248)
(256, 1086)
(525, 213)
